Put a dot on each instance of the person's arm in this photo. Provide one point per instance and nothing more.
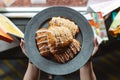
(32, 72)
(87, 72)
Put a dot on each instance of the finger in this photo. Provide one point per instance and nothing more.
(22, 43)
(23, 47)
(95, 46)
(95, 42)
(50, 77)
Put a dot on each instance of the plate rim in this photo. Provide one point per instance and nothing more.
(43, 64)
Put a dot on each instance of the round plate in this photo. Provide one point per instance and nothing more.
(85, 37)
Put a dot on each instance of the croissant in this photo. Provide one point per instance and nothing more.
(66, 54)
(53, 38)
(63, 36)
(42, 41)
(57, 42)
(58, 21)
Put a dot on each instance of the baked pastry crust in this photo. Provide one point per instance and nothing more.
(68, 52)
(58, 21)
(57, 42)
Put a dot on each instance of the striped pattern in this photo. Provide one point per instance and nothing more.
(12, 69)
(106, 67)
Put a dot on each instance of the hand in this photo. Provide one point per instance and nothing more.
(23, 46)
(32, 72)
(94, 50)
(86, 72)
(95, 46)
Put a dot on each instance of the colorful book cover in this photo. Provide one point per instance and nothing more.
(5, 37)
(8, 27)
(98, 25)
(114, 29)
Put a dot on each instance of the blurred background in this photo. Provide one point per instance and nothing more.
(13, 62)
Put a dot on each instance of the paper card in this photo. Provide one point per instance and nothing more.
(104, 7)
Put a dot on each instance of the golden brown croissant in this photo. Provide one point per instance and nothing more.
(58, 40)
(42, 41)
(58, 21)
(53, 38)
(68, 52)
(63, 36)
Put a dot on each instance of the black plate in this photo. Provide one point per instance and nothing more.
(85, 37)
